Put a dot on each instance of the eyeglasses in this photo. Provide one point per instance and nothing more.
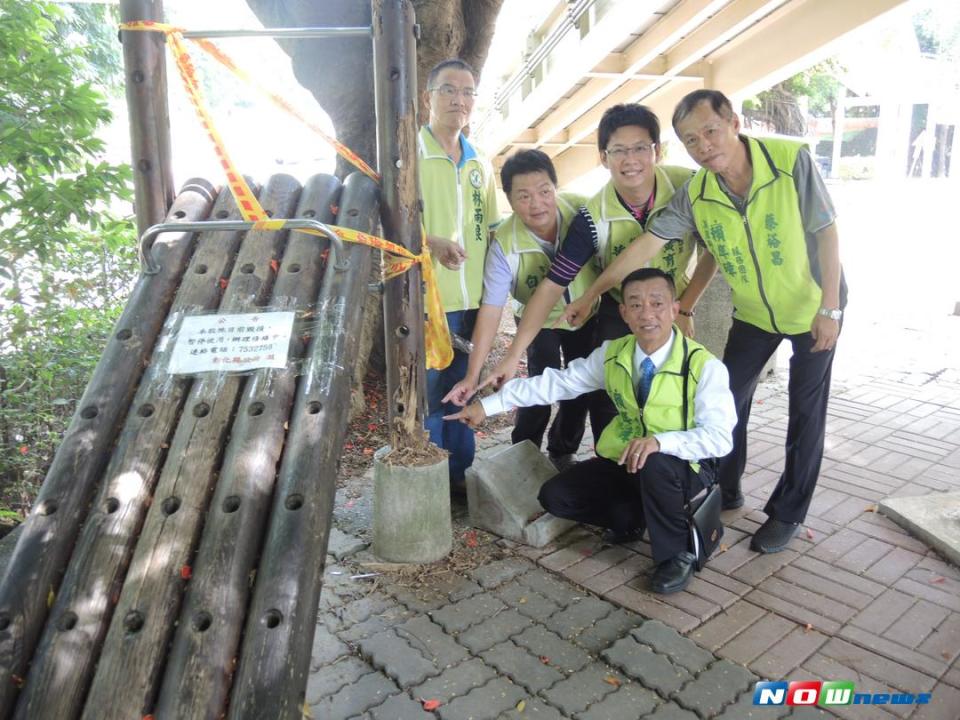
(622, 153)
(449, 91)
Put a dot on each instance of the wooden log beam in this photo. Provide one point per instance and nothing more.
(128, 674)
(69, 649)
(271, 677)
(199, 668)
(145, 69)
(395, 87)
(50, 531)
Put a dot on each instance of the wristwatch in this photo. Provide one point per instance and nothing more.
(834, 314)
(686, 313)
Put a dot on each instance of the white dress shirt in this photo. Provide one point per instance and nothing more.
(714, 413)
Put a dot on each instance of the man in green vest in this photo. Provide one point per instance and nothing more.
(517, 261)
(674, 411)
(639, 188)
(459, 213)
(766, 216)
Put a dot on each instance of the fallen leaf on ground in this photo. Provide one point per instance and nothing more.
(544, 659)
(870, 508)
(430, 705)
(186, 572)
(808, 628)
(723, 547)
(521, 705)
(809, 534)
(522, 601)
(611, 680)
(937, 579)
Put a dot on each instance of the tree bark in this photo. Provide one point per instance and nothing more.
(339, 74)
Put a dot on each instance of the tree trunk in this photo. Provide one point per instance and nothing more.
(339, 73)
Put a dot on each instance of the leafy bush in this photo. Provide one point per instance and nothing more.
(65, 261)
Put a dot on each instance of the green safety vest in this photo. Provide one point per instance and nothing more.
(670, 404)
(617, 228)
(763, 252)
(529, 263)
(459, 204)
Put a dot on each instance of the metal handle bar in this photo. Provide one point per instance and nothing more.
(150, 266)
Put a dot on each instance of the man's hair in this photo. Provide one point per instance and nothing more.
(719, 103)
(526, 161)
(618, 116)
(455, 63)
(648, 274)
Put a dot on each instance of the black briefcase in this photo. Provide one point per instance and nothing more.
(706, 529)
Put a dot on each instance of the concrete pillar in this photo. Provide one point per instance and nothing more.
(411, 511)
(838, 132)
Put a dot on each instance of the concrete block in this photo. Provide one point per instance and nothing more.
(934, 518)
(502, 495)
(411, 511)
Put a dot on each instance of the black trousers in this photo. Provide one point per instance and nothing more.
(601, 492)
(748, 349)
(554, 349)
(609, 326)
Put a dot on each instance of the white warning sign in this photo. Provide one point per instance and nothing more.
(231, 343)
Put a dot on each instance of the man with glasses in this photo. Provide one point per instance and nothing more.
(639, 188)
(765, 214)
(459, 214)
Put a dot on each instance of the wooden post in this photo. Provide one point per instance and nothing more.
(395, 87)
(49, 533)
(145, 68)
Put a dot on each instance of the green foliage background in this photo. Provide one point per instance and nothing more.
(66, 260)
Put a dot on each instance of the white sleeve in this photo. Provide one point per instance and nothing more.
(581, 376)
(496, 276)
(714, 417)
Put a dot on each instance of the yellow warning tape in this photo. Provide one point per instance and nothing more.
(397, 259)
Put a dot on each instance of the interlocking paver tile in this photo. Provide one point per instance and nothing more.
(606, 631)
(652, 669)
(825, 586)
(400, 707)
(500, 571)
(387, 618)
(916, 624)
(533, 710)
(567, 556)
(327, 647)
(944, 641)
(886, 648)
(717, 686)
(484, 703)
(928, 591)
(630, 700)
(526, 600)
(784, 656)
(598, 562)
(583, 689)
(756, 639)
(943, 704)
(546, 584)
(488, 633)
(735, 556)
(744, 709)
(558, 652)
(840, 577)
(667, 641)
(366, 693)
(387, 652)
(429, 639)
(575, 618)
(876, 666)
(521, 666)
(763, 566)
(461, 615)
(457, 680)
(794, 612)
(358, 610)
(883, 611)
(892, 566)
(330, 678)
(728, 624)
(645, 604)
(623, 572)
(670, 711)
(807, 597)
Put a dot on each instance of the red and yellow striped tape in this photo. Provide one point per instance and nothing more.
(397, 259)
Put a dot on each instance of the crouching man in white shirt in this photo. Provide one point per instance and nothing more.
(674, 410)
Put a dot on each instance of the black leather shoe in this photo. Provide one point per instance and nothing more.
(731, 502)
(673, 575)
(563, 462)
(615, 537)
(773, 536)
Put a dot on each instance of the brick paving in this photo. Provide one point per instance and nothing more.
(570, 630)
